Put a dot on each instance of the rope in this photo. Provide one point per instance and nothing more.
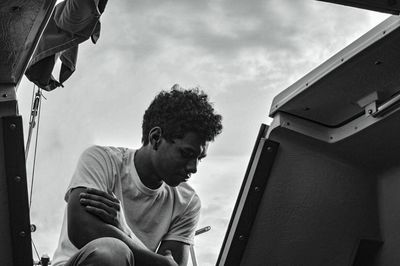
(34, 111)
(33, 98)
(39, 107)
(36, 106)
(30, 124)
(37, 253)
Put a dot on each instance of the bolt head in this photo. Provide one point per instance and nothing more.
(33, 228)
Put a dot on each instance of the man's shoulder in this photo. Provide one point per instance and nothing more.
(115, 153)
(187, 194)
(186, 187)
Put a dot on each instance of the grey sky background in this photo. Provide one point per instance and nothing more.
(242, 53)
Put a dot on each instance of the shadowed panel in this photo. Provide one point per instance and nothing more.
(315, 209)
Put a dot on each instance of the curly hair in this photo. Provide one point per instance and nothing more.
(180, 111)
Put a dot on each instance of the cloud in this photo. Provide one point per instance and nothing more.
(217, 182)
(225, 28)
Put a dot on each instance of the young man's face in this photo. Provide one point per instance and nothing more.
(176, 160)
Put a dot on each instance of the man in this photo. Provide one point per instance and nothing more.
(134, 207)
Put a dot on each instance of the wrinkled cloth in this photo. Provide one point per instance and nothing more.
(106, 251)
(72, 22)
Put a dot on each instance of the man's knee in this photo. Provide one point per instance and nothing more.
(109, 251)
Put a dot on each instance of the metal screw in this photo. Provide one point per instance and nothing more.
(22, 234)
(369, 111)
(18, 179)
(33, 228)
(12, 126)
(242, 237)
(269, 148)
(5, 95)
(256, 189)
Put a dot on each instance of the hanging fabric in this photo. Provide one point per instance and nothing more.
(72, 22)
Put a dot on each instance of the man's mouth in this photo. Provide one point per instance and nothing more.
(185, 178)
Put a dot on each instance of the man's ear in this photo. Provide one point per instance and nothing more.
(155, 136)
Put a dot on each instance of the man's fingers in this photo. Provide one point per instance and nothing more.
(110, 195)
(114, 204)
(102, 214)
(99, 205)
(167, 252)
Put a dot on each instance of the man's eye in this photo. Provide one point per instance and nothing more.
(186, 154)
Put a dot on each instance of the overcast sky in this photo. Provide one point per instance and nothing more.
(242, 53)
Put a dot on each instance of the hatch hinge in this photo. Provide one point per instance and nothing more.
(374, 107)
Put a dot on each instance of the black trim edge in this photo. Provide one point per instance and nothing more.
(14, 161)
(251, 201)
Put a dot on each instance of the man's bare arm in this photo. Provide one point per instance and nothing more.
(106, 207)
(84, 227)
(179, 250)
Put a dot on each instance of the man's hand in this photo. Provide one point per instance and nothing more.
(103, 205)
(177, 252)
(170, 260)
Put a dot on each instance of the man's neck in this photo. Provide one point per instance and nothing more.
(145, 170)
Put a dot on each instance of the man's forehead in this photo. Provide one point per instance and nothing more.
(200, 148)
(193, 142)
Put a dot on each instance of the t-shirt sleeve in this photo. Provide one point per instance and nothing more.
(184, 226)
(94, 169)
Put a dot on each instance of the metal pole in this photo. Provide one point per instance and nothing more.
(192, 253)
(193, 256)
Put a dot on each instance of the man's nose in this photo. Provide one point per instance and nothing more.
(191, 166)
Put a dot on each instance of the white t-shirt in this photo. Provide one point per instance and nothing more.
(153, 215)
